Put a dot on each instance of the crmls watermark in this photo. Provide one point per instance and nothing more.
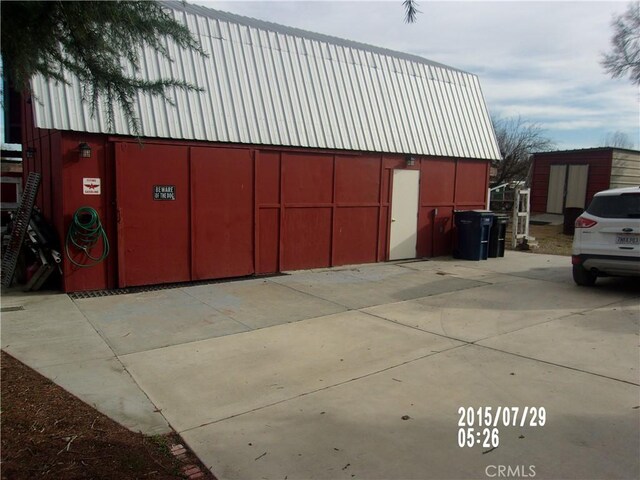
(508, 471)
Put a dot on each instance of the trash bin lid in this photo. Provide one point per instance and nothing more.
(474, 213)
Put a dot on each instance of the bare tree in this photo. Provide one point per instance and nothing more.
(624, 56)
(517, 140)
(617, 139)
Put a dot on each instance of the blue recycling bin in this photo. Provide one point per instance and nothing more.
(474, 228)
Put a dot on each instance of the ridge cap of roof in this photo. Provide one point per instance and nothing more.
(279, 28)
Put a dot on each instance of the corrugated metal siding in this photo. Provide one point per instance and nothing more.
(625, 169)
(274, 85)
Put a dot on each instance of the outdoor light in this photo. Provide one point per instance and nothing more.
(410, 161)
(30, 152)
(84, 150)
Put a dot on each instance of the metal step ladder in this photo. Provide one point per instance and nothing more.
(20, 226)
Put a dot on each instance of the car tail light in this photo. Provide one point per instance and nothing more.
(576, 260)
(582, 222)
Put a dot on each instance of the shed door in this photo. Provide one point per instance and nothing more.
(555, 195)
(153, 214)
(404, 214)
(577, 186)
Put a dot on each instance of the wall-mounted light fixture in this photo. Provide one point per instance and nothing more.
(411, 161)
(84, 150)
(30, 152)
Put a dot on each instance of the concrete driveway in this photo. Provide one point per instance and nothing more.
(360, 372)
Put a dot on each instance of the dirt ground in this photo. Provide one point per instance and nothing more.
(49, 433)
(550, 239)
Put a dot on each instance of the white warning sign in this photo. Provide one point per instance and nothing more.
(91, 186)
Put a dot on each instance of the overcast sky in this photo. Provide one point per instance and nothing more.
(537, 60)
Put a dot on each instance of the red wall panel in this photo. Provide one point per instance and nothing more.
(221, 212)
(45, 187)
(435, 232)
(357, 179)
(443, 237)
(268, 171)
(425, 231)
(306, 238)
(383, 233)
(355, 235)
(437, 181)
(269, 240)
(307, 178)
(268, 193)
(39, 153)
(470, 189)
(74, 170)
(154, 244)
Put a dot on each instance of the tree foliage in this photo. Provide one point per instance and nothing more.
(99, 42)
(517, 140)
(410, 11)
(624, 57)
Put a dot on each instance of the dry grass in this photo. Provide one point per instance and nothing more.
(551, 240)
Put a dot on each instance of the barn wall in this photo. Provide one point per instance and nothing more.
(447, 185)
(599, 162)
(46, 161)
(242, 210)
(60, 194)
(72, 171)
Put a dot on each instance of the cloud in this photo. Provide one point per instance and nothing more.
(539, 60)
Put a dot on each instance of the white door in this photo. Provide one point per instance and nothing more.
(404, 214)
(555, 195)
(577, 186)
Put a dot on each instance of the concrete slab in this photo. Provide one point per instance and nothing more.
(374, 272)
(33, 324)
(447, 266)
(52, 336)
(490, 310)
(261, 303)
(554, 268)
(147, 320)
(356, 430)
(42, 353)
(214, 379)
(269, 387)
(602, 341)
(108, 387)
(359, 289)
(49, 331)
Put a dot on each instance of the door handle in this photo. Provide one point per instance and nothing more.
(393, 219)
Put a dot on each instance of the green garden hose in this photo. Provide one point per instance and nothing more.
(84, 233)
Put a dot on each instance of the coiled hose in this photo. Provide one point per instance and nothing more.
(84, 233)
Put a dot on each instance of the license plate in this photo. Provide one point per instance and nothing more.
(627, 239)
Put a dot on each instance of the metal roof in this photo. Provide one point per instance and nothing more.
(275, 85)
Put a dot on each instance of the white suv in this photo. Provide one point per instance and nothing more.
(607, 237)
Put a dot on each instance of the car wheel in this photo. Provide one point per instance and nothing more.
(583, 277)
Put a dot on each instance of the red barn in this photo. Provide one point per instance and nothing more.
(570, 179)
(301, 151)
